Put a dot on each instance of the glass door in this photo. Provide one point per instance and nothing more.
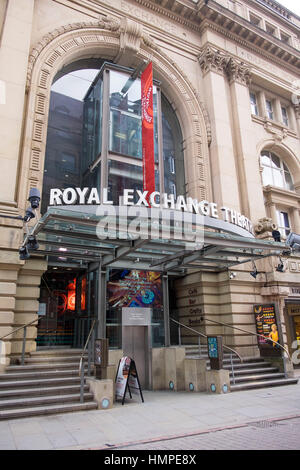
(86, 306)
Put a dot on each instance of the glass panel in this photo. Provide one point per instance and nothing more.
(174, 177)
(123, 176)
(275, 161)
(265, 159)
(267, 176)
(63, 148)
(284, 116)
(158, 328)
(278, 178)
(254, 109)
(92, 136)
(269, 109)
(69, 148)
(125, 136)
(288, 181)
(125, 115)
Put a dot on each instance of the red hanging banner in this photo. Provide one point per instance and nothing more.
(147, 131)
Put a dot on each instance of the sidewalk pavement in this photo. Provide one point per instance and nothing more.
(163, 414)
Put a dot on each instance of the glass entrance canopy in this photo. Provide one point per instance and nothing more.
(72, 233)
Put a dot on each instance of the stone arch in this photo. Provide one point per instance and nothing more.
(123, 42)
(284, 152)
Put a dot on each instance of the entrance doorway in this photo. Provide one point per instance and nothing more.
(137, 345)
(67, 307)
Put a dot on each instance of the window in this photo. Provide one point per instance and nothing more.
(253, 103)
(254, 19)
(285, 38)
(284, 115)
(75, 145)
(275, 172)
(270, 29)
(283, 223)
(269, 108)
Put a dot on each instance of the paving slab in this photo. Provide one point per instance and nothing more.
(163, 414)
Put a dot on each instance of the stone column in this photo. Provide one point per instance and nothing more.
(14, 52)
(297, 115)
(296, 220)
(223, 167)
(251, 194)
(8, 276)
(26, 305)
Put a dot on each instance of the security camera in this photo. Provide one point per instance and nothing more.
(293, 240)
(23, 253)
(29, 214)
(34, 198)
(32, 244)
(276, 235)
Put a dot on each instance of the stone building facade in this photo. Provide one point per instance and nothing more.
(230, 72)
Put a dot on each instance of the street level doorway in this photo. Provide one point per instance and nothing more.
(66, 307)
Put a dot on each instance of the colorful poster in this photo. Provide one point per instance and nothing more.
(122, 376)
(127, 379)
(133, 288)
(266, 325)
(147, 130)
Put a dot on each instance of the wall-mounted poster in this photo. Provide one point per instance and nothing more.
(133, 288)
(266, 325)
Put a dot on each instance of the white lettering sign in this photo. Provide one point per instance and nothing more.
(71, 196)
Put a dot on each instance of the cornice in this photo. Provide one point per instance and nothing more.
(249, 46)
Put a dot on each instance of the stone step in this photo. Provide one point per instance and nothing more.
(52, 359)
(46, 410)
(53, 382)
(56, 352)
(256, 377)
(37, 375)
(262, 384)
(41, 391)
(246, 365)
(44, 400)
(45, 367)
(258, 370)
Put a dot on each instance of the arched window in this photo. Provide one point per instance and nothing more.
(275, 172)
(107, 102)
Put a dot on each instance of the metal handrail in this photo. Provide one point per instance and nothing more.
(17, 329)
(24, 337)
(205, 336)
(250, 333)
(81, 362)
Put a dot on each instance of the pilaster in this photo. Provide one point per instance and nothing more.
(26, 304)
(14, 53)
(251, 194)
(223, 168)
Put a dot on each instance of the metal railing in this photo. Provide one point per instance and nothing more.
(250, 333)
(260, 336)
(244, 331)
(24, 337)
(82, 363)
(232, 351)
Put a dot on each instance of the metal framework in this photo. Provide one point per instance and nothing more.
(75, 233)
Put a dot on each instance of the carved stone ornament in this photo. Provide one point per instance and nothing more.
(238, 72)
(264, 225)
(131, 35)
(297, 110)
(277, 133)
(213, 59)
(105, 22)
